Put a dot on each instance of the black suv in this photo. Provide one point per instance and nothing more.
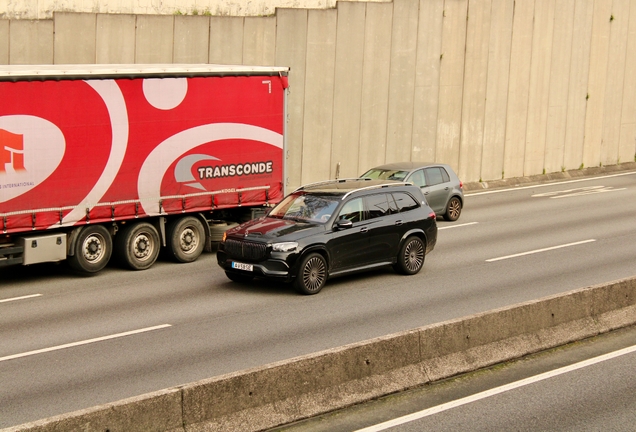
(332, 228)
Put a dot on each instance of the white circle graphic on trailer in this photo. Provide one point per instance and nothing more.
(158, 161)
(31, 148)
(165, 93)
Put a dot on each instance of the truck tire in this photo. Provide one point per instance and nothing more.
(92, 251)
(137, 245)
(186, 239)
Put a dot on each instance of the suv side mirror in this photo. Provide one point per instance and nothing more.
(343, 224)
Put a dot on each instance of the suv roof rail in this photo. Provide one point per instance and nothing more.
(326, 182)
(378, 186)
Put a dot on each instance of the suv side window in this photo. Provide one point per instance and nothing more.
(377, 205)
(418, 178)
(404, 201)
(352, 210)
(434, 176)
(437, 175)
(445, 175)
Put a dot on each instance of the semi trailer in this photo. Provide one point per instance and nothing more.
(123, 161)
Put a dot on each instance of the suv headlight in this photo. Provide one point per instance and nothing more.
(284, 247)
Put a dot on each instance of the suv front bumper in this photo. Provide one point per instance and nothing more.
(271, 268)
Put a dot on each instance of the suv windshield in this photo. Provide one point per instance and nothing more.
(385, 174)
(306, 207)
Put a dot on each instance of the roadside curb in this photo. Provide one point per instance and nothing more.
(547, 178)
(291, 390)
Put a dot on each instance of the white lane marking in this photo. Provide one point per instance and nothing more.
(19, 298)
(457, 226)
(554, 193)
(547, 184)
(577, 192)
(607, 189)
(540, 250)
(84, 342)
(497, 390)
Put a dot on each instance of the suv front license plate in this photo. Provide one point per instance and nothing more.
(241, 266)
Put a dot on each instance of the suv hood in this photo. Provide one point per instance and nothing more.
(274, 229)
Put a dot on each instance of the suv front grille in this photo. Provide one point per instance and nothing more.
(245, 250)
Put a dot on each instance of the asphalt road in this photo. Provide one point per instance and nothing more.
(65, 341)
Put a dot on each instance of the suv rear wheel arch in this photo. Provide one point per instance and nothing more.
(417, 233)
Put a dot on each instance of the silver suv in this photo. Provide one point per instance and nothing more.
(440, 185)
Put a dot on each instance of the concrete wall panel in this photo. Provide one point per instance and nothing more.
(75, 38)
(30, 42)
(559, 78)
(375, 84)
(154, 41)
(614, 83)
(319, 88)
(348, 90)
(451, 82)
(599, 55)
(492, 162)
(402, 80)
(518, 90)
(291, 51)
(539, 87)
(226, 40)
(259, 41)
(4, 42)
(426, 97)
(496, 88)
(627, 145)
(191, 39)
(577, 86)
(474, 93)
(115, 41)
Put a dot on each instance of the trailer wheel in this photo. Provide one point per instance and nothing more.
(186, 239)
(93, 249)
(137, 245)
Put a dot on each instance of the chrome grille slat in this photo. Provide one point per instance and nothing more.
(245, 250)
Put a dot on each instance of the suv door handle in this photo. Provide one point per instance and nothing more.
(364, 229)
(399, 222)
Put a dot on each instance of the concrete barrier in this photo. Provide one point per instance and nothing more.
(298, 388)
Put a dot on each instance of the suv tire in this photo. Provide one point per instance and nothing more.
(410, 260)
(453, 209)
(312, 274)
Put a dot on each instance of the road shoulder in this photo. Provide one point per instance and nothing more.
(549, 178)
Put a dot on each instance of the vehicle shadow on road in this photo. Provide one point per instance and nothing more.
(268, 287)
(15, 274)
(259, 286)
